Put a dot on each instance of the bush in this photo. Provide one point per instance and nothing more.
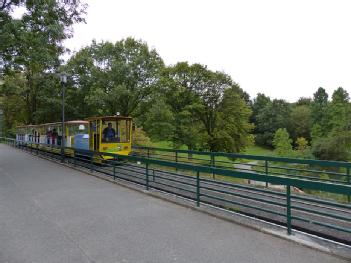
(335, 147)
(139, 138)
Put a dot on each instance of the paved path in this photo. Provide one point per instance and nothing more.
(50, 213)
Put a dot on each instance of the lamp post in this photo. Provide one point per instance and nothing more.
(63, 81)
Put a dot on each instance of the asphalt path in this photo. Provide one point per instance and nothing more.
(51, 213)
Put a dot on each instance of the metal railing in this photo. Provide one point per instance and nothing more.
(319, 170)
(323, 217)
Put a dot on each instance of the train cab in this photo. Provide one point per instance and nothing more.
(111, 134)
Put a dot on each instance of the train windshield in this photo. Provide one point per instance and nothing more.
(117, 130)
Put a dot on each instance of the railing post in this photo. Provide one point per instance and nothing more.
(148, 153)
(266, 170)
(348, 182)
(114, 170)
(91, 163)
(176, 159)
(213, 164)
(198, 189)
(74, 158)
(288, 209)
(147, 176)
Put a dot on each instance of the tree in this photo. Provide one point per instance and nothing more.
(319, 109)
(33, 44)
(316, 133)
(233, 131)
(140, 138)
(159, 122)
(258, 104)
(303, 101)
(282, 143)
(273, 116)
(300, 122)
(339, 111)
(117, 77)
(303, 150)
(13, 108)
(334, 147)
(202, 109)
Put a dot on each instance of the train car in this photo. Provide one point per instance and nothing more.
(48, 136)
(110, 134)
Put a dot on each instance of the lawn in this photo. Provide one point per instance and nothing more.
(257, 150)
(253, 150)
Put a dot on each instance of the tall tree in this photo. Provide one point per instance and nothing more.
(177, 86)
(258, 105)
(282, 143)
(304, 101)
(339, 111)
(233, 131)
(273, 116)
(159, 123)
(115, 77)
(319, 109)
(300, 125)
(33, 44)
(206, 105)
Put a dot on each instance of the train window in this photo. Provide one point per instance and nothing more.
(116, 131)
(77, 129)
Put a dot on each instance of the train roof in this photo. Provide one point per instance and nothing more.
(109, 118)
(54, 123)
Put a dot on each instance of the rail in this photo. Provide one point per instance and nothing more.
(319, 170)
(324, 217)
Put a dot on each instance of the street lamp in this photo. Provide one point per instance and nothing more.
(63, 81)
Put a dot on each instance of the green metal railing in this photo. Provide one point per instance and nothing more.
(320, 170)
(294, 210)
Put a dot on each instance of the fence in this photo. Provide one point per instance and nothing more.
(323, 217)
(319, 170)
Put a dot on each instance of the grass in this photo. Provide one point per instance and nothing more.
(253, 150)
(257, 150)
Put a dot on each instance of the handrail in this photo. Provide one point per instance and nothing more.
(325, 163)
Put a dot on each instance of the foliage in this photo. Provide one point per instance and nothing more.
(300, 122)
(273, 116)
(303, 150)
(319, 108)
(140, 138)
(115, 77)
(339, 111)
(32, 46)
(259, 103)
(159, 123)
(282, 143)
(316, 133)
(334, 147)
(209, 108)
(303, 101)
(233, 132)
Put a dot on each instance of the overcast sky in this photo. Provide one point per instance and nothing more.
(285, 49)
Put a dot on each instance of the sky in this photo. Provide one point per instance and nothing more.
(284, 49)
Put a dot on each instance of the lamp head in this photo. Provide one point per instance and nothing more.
(63, 77)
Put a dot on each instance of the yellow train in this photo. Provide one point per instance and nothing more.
(108, 134)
